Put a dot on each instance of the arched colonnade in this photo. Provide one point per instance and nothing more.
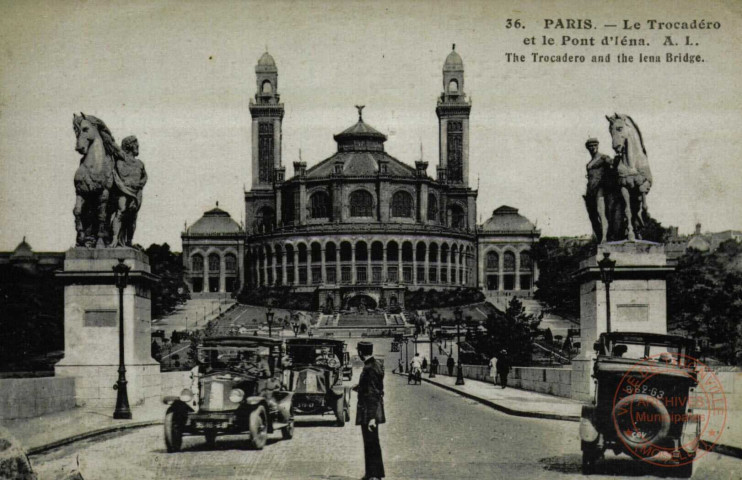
(345, 261)
(213, 270)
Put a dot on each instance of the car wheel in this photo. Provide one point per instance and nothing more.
(340, 411)
(588, 462)
(684, 471)
(288, 431)
(258, 428)
(173, 433)
(210, 438)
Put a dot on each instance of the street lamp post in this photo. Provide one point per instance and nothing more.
(431, 332)
(269, 319)
(606, 275)
(459, 368)
(406, 356)
(122, 411)
(414, 339)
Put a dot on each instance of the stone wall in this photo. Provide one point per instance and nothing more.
(31, 397)
(552, 381)
(174, 382)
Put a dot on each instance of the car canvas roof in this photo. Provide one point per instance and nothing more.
(646, 337)
(314, 341)
(241, 341)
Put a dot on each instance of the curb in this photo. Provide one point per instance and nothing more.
(723, 450)
(509, 411)
(90, 434)
(716, 448)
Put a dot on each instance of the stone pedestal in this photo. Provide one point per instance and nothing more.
(91, 333)
(638, 301)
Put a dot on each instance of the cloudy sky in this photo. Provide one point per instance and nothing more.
(179, 75)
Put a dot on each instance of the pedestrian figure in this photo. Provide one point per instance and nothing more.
(370, 410)
(400, 367)
(503, 368)
(434, 365)
(450, 363)
(425, 364)
(493, 369)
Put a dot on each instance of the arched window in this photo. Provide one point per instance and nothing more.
(265, 219)
(319, 205)
(420, 252)
(392, 251)
(493, 261)
(214, 263)
(402, 204)
(316, 252)
(526, 262)
(267, 87)
(453, 86)
(508, 261)
(432, 207)
(361, 251)
(361, 204)
(230, 262)
(406, 252)
(197, 263)
(457, 217)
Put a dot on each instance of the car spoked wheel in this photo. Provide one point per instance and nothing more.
(287, 432)
(210, 438)
(258, 428)
(340, 411)
(173, 433)
(589, 457)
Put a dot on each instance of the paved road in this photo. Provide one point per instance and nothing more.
(430, 434)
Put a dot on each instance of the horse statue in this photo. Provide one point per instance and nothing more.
(632, 167)
(93, 180)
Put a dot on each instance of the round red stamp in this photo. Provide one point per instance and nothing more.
(669, 409)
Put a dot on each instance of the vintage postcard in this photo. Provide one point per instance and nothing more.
(414, 239)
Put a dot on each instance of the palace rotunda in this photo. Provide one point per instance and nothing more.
(359, 227)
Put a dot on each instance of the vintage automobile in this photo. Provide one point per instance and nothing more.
(237, 388)
(318, 367)
(644, 383)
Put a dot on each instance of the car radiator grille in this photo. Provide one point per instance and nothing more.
(216, 397)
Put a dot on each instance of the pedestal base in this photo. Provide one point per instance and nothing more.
(638, 301)
(91, 327)
(582, 382)
(94, 383)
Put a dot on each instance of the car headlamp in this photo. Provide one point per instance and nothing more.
(691, 433)
(588, 433)
(236, 395)
(186, 395)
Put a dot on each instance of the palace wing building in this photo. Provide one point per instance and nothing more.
(361, 225)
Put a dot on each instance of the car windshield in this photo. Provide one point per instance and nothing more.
(313, 354)
(229, 357)
(638, 351)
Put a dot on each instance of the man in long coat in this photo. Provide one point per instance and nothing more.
(370, 410)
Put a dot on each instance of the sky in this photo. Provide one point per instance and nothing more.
(179, 76)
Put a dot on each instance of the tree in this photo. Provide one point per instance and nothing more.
(704, 297)
(171, 290)
(557, 262)
(514, 331)
(31, 315)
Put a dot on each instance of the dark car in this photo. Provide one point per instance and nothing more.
(237, 389)
(641, 406)
(318, 368)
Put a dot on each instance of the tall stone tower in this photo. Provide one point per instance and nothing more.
(453, 124)
(267, 114)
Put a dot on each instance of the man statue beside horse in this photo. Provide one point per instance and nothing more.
(616, 196)
(108, 185)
